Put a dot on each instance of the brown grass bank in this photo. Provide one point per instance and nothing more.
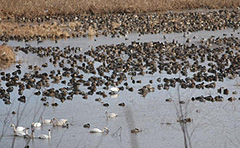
(7, 57)
(53, 7)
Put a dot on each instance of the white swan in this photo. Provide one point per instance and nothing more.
(43, 136)
(63, 120)
(20, 133)
(18, 129)
(60, 122)
(114, 90)
(111, 115)
(97, 130)
(114, 95)
(26, 134)
(36, 124)
(46, 121)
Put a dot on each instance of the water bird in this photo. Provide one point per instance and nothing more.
(111, 115)
(46, 121)
(44, 136)
(87, 125)
(97, 130)
(28, 136)
(36, 125)
(20, 133)
(60, 122)
(114, 95)
(63, 120)
(114, 90)
(135, 130)
(17, 129)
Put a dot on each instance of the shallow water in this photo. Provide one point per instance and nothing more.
(214, 124)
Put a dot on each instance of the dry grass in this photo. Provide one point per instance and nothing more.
(49, 30)
(53, 30)
(54, 7)
(7, 57)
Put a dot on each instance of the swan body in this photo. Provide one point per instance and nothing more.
(17, 129)
(27, 136)
(44, 136)
(63, 120)
(111, 115)
(46, 121)
(97, 130)
(60, 122)
(114, 89)
(114, 95)
(20, 134)
(36, 124)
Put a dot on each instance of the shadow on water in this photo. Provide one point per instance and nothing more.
(181, 108)
(130, 123)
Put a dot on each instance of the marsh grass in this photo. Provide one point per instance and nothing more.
(7, 56)
(49, 30)
(58, 7)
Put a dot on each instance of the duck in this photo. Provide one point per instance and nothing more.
(135, 130)
(97, 130)
(87, 125)
(46, 121)
(111, 115)
(44, 136)
(17, 129)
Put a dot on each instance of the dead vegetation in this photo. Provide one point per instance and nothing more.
(54, 7)
(7, 57)
(16, 16)
(49, 30)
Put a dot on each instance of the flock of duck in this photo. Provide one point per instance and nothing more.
(108, 69)
(121, 24)
(210, 61)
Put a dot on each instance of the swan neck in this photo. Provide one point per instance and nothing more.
(32, 134)
(14, 128)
